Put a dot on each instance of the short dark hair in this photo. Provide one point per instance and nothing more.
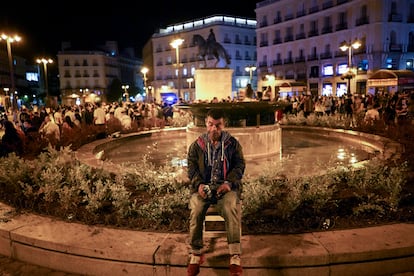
(215, 113)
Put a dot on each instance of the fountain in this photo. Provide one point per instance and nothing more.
(253, 124)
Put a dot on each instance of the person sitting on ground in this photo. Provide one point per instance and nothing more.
(215, 168)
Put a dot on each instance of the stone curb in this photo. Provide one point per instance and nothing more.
(95, 250)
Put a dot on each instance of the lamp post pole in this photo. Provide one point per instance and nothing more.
(144, 71)
(45, 62)
(126, 94)
(250, 69)
(348, 46)
(176, 44)
(190, 81)
(9, 40)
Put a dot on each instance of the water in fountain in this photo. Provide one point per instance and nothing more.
(301, 154)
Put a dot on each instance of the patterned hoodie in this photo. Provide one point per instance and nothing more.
(225, 162)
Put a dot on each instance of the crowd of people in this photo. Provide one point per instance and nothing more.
(37, 127)
(388, 108)
(28, 130)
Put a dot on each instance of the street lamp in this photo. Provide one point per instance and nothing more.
(144, 71)
(6, 97)
(176, 43)
(190, 81)
(9, 40)
(348, 46)
(250, 69)
(126, 87)
(45, 61)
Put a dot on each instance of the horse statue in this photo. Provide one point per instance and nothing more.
(210, 48)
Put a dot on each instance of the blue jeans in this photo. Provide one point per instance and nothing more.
(228, 209)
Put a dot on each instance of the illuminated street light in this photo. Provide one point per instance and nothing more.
(7, 97)
(45, 62)
(176, 43)
(190, 81)
(348, 46)
(126, 94)
(250, 69)
(144, 71)
(9, 40)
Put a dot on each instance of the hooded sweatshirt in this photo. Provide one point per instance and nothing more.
(209, 164)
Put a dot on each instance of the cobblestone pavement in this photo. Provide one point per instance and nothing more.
(10, 267)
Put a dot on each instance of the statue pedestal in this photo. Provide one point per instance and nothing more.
(213, 82)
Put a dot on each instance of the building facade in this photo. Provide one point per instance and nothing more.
(306, 46)
(168, 77)
(85, 76)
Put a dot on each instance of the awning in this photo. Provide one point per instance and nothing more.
(386, 77)
(292, 87)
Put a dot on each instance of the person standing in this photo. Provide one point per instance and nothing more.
(99, 119)
(216, 167)
(50, 131)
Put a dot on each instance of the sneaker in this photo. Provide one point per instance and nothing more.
(194, 265)
(235, 266)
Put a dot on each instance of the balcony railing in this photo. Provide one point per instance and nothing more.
(362, 21)
(341, 26)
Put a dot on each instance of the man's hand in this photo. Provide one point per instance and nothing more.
(223, 188)
(201, 191)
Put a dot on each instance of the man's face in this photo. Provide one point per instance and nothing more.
(214, 128)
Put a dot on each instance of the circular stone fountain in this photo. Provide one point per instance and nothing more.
(293, 150)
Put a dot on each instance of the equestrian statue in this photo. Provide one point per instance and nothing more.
(210, 48)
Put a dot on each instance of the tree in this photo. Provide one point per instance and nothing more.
(114, 91)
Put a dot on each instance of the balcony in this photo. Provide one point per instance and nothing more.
(288, 38)
(277, 20)
(395, 47)
(313, 9)
(312, 57)
(313, 33)
(341, 26)
(264, 43)
(395, 17)
(277, 41)
(263, 64)
(300, 13)
(300, 36)
(327, 30)
(300, 59)
(327, 5)
(289, 17)
(362, 21)
(277, 62)
(263, 24)
(325, 55)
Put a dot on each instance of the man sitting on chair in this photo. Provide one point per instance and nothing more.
(215, 167)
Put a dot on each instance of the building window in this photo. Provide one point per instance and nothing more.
(314, 72)
(328, 70)
(342, 68)
(409, 64)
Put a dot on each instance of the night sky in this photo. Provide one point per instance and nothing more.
(44, 26)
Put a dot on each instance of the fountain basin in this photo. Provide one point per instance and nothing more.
(303, 150)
